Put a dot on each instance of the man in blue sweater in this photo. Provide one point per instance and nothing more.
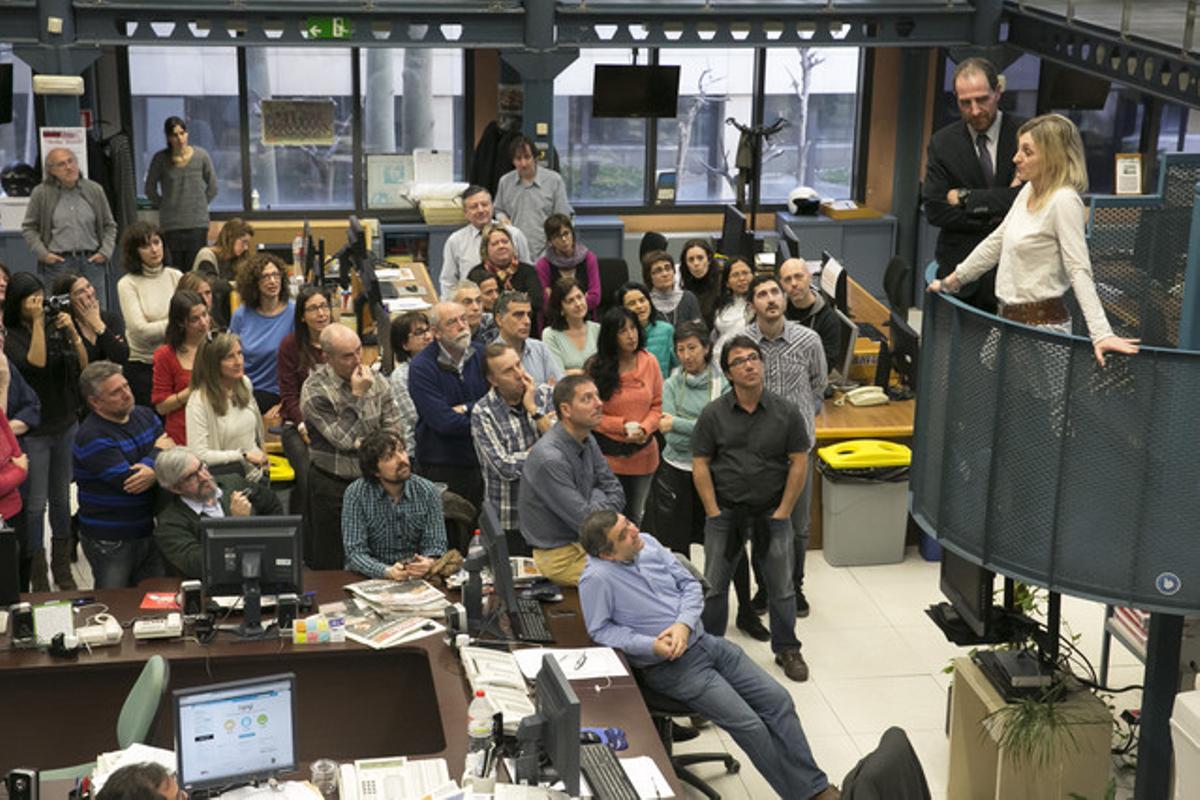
(114, 455)
(444, 380)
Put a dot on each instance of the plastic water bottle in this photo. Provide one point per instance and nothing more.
(254, 199)
(297, 253)
(476, 546)
(479, 733)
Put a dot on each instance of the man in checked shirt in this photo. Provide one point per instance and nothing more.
(505, 423)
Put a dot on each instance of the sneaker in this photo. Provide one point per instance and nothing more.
(759, 602)
(801, 604)
(793, 664)
(752, 626)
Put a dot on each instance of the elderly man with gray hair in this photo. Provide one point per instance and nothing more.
(341, 401)
(197, 495)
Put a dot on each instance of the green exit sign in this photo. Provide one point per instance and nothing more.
(327, 27)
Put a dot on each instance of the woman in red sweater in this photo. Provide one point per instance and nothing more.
(631, 386)
(14, 467)
(188, 324)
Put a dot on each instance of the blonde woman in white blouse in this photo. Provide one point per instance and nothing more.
(1040, 246)
(224, 426)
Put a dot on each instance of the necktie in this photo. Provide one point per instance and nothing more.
(985, 159)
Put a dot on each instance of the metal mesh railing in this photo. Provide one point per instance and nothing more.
(1033, 461)
(1139, 253)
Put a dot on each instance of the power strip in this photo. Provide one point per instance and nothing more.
(105, 630)
(166, 627)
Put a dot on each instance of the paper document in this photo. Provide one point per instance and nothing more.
(578, 663)
(108, 763)
(646, 777)
(286, 790)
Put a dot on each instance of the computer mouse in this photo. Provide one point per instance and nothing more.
(589, 737)
(429, 626)
(545, 593)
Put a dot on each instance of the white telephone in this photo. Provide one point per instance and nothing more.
(395, 778)
(867, 396)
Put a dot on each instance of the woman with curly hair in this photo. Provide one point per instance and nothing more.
(262, 321)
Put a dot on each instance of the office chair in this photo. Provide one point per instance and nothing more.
(891, 770)
(897, 283)
(662, 709)
(138, 715)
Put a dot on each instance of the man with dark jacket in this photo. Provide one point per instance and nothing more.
(808, 306)
(445, 379)
(199, 496)
(970, 180)
(69, 225)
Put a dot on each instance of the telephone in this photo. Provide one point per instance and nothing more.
(391, 778)
(867, 396)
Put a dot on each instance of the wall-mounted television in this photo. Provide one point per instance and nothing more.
(624, 90)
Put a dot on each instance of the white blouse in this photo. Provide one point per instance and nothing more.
(1041, 254)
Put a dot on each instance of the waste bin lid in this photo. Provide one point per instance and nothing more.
(1187, 712)
(280, 470)
(866, 453)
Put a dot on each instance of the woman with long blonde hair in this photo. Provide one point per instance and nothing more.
(224, 426)
(1040, 246)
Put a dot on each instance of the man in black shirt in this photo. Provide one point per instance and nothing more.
(808, 306)
(750, 459)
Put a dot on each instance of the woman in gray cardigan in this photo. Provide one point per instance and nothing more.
(188, 184)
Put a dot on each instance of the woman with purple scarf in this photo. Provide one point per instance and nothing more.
(563, 257)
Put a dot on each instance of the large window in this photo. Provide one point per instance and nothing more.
(603, 160)
(318, 175)
(816, 90)
(18, 139)
(199, 85)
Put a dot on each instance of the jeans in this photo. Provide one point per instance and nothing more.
(96, 273)
(49, 481)
(637, 489)
(777, 574)
(801, 521)
(119, 563)
(716, 680)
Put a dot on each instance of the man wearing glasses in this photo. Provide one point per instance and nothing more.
(749, 459)
(69, 225)
(199, 496)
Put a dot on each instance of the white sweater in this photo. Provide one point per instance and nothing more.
(145, 300)
(221, 439)
(1041, 254)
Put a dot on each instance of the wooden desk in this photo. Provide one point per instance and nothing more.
(354, 702)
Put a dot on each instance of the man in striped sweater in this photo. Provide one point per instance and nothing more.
(114, 455)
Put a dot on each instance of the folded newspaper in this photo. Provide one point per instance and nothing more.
(413, 597)
(377, 629)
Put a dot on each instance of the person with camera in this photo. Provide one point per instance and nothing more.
(44, 346)
(103, 331)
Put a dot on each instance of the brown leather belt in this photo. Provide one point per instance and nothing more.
(1042, 312)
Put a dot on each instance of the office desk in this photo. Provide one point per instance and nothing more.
(354, 702)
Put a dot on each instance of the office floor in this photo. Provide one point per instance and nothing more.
(875, 661)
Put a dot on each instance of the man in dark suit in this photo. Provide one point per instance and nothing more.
(970, 180)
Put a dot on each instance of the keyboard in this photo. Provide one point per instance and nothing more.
(604, 773)
(529, 621)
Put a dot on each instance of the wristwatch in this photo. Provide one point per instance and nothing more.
(538, 415)
(963, 194)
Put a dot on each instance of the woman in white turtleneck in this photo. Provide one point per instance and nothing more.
(145, 295)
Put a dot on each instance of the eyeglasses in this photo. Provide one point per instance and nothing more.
(563, 234)
(194, 473)
(269, 276)
(749, 358)
(316, 307)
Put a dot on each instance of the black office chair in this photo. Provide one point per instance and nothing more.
(662, 709)
(613, 273)
(891, 770)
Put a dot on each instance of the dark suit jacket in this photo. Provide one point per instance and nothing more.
(178, 529)
(953, 163)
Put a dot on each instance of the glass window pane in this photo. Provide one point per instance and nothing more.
(697, 145)
(306, 175)
(1020, 90)
(816, 90)
(1116, 128)
(18, 139)
(603, 160)
(1179, 129)
(428, 115)
(200, 85)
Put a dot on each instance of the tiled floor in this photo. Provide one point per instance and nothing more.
(877, 661)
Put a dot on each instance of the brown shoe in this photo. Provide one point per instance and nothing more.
(793, 664)
(830, 792)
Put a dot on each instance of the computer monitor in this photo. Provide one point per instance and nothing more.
(250, 556)
(635, 90)
(968, 587)
(233, 733)
(835, 282)
(905, 347)
(496, 545)
(736, 240)
(847, 337)
(558, 706)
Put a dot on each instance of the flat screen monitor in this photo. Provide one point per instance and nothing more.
(627, 90)
(249, 557)
(736, 240)
(968, 587)
(6, 93)
(905, 346)
(835, 282)
(847, 337)
(558, 706)
(1062, 88)
(496, 545)
(234, 733)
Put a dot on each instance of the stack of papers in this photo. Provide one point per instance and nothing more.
(108, 763)
(367, 626)
(578, 663)
(443, 212)
(413, 597)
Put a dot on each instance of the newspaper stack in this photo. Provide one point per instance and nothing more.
(412, 597)
(365, 625)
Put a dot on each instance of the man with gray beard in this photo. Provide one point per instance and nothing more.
(445, 379)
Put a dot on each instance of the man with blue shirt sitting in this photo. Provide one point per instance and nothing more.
(637, 597)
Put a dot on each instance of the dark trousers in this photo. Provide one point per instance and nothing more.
(182, 246)
(323, 547)
(466, 482)
(296, 452)
(266, 400)
(141, 380)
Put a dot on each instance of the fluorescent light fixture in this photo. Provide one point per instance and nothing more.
(58, 84)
